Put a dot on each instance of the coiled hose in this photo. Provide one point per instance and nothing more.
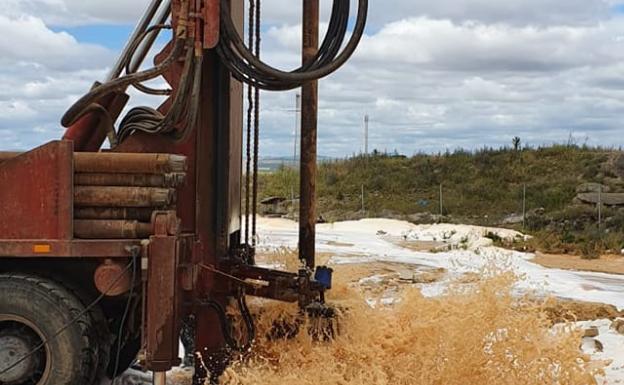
(248, 68)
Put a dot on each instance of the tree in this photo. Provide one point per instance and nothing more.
(516, 143)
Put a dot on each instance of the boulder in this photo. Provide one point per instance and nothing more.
(592, 188)
(592, 332)
(607, 199)
(618, 325)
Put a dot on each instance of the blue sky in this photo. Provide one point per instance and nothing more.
(110, 36)
(431, 75)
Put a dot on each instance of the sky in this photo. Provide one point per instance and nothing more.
(432, 75)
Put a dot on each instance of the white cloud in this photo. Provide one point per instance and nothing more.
(41, 72)
(76, 12)
(431, 75)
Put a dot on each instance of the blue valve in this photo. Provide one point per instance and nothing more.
(323, 275)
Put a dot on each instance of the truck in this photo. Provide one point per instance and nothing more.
(109, 251)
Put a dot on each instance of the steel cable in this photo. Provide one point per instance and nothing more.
(72, 321)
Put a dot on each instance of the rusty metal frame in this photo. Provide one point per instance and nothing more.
(46, 248)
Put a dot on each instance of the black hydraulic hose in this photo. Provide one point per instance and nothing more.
(194, 103)
(155, 29)
(120, 84)
(226, 327)
(152, 121)
(245, 66)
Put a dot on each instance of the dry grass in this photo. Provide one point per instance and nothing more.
(476, 335)
(610, 264)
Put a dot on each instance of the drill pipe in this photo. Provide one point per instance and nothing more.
(111, 229)
(130, 213)
(136, 180)
(124, 163)
(111, 196)
(99, 162)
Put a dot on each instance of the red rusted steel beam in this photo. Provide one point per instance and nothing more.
(46, 248)
(162, 311)
(114, 196)
(111, 229)
(109, 162)
(137, 180)
(143, 214)
(212, 22)
(36, 193)
(309, 123)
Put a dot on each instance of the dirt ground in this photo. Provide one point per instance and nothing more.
(611, 264)
(562, 311)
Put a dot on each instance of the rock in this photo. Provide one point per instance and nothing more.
(599, 346)
(608, 199)
(562, 311)
(592, 332)
(426, 278)
(421, 218)
(592, 188)
(618, 325)
(513, 219)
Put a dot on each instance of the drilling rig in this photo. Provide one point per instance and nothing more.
(107, 250)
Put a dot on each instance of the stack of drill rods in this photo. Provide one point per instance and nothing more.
(115, 194)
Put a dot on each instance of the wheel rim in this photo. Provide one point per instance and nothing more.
(19, 337)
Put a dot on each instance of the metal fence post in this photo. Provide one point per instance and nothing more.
(524, 207)
(441, 205)
(599, 206)
(363, 205)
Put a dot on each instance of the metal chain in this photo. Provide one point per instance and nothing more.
(256, 128)
(250, 108)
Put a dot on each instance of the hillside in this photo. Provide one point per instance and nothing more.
(484, 187)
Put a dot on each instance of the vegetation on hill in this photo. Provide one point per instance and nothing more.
(485, 187)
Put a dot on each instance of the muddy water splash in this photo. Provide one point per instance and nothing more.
(468, 336)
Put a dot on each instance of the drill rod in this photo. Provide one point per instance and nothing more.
(309, 123)
(114, 196)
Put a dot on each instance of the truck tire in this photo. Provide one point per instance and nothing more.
(33, 310)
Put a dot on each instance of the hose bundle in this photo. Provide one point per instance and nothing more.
(243, 62)
(248, 68)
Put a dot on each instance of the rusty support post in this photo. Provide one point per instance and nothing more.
(309, 122)
(160, 378)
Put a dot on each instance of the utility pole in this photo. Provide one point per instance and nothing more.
(366, 119)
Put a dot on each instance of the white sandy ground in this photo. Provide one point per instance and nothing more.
(372, 240)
